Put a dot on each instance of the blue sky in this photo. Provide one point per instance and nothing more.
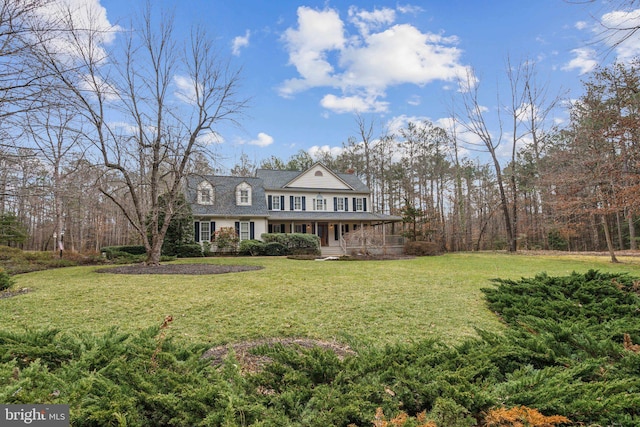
(310, 66)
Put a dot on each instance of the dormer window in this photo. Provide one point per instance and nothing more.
(205, 193)
(243, 194)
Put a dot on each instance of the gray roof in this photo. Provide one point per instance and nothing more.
(277, 179)
(224, 196)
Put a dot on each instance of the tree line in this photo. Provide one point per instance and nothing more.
(95, 141)
(574, 187)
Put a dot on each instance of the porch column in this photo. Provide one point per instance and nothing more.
(384, 237)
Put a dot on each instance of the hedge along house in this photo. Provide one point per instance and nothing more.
(317, 201)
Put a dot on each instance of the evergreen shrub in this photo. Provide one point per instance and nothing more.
(129, 249)
(6, 281)
(188, 251)
(275, 249)
(296, 243)
(251, 247)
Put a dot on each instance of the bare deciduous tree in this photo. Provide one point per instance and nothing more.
(473, 121)
(146, 107)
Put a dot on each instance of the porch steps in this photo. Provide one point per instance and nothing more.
(331, 251)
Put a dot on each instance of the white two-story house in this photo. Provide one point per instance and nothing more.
(316, 201)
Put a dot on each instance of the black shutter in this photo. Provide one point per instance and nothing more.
(269, 200)
(283, 229)
(196, 231)
(304, 228)
(346, 204)
(252, 230)
(290, 203)
(335, 204)
(364, 204)
(346, 228)
(281, 203)
(354, 204)
(304, 203)
(270, 228)
(237, 228)
(336, 235)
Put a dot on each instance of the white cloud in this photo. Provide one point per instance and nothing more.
(584, 60)
(410, 9)
(88, 19)
(620, 25)
(348, 104)
(96, 85)
(366, 21)
(263, 140)
(317, 151)
(414, 100)
(581, 25)
(185, 89)
(318, 33)
(240, 42)
(362, 66)
(210, 138)
(401, 54)
(396, 123)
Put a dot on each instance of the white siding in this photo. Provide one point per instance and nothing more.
(326, 181)
(310, 196)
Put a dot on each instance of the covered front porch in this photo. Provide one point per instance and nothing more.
(343, 234)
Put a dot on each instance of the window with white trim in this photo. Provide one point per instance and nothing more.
(243, 194)
(320, 203)
(340, 204)
(359, 207)
(205, 231)
(297, 203)
(244, 230)
(275, 203)
(205, 193)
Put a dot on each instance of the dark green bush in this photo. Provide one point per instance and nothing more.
(296, 243)
(6, 281)
(421, 248)
(251, 247)
(275, 249)
(556, 241)
(129, 249)
(188, 251)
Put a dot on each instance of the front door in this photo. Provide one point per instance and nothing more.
(323, 233)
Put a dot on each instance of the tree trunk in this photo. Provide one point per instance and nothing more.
(607, 235)
(633, 244)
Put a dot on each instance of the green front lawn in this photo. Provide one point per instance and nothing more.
(358, 302)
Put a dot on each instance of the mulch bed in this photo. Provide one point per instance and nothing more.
(194, 269)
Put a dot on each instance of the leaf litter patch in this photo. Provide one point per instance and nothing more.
(253, 363)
